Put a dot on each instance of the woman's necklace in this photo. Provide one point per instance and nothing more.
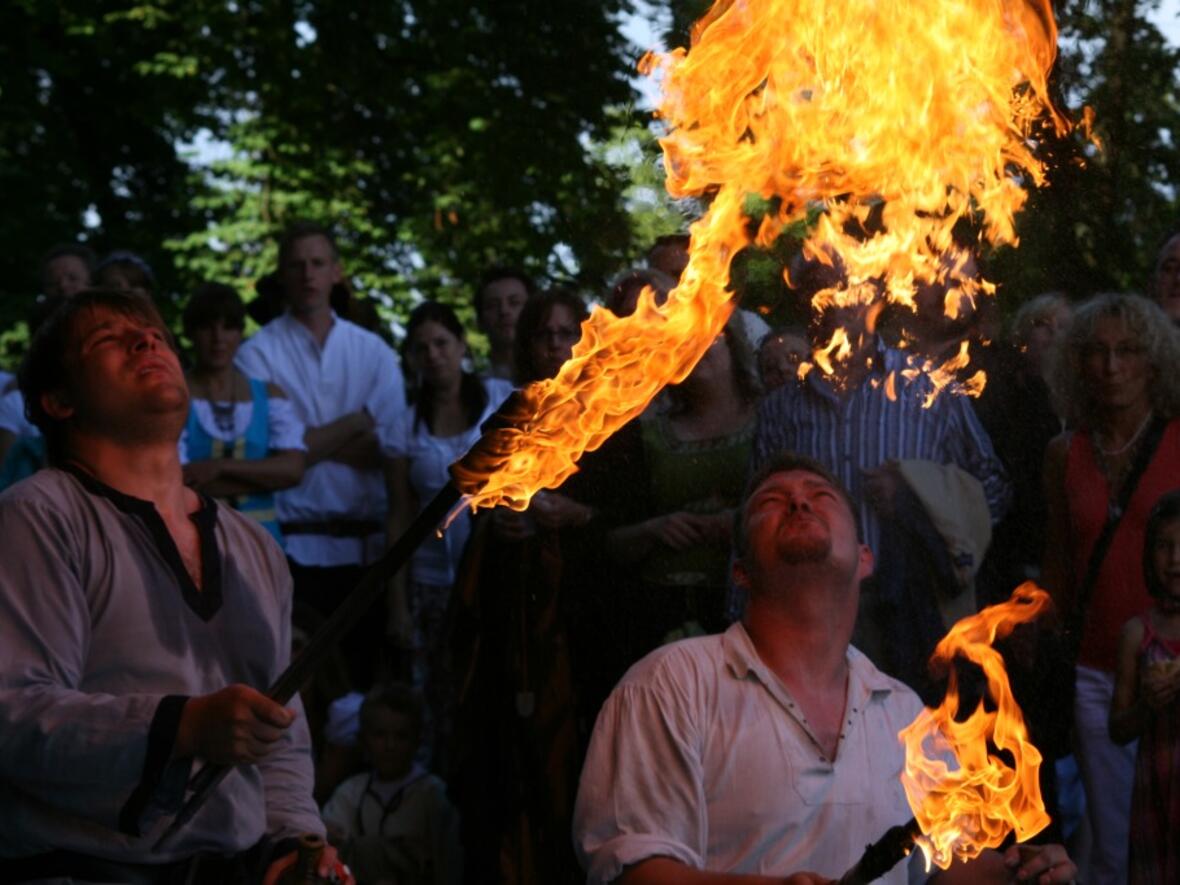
(1134, 438)
(223, 412)
(1116, 469)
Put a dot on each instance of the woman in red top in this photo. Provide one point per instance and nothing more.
(1117, 381)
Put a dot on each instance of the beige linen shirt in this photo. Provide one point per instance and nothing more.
(701, 755)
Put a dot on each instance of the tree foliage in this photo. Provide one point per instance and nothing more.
(435, 136)
(1099, 223)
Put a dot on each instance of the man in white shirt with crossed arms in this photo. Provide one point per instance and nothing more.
(343, 381)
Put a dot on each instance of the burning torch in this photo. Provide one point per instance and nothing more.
(960, 809)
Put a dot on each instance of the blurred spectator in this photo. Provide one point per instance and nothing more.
(669, 255)
(125, 271)
(525, 595)
(945, 313)
(13, 426)
(342, 381)
(394, 824)
(499, 298)
(779, 357)
(242, 441)
(66, 270)
(1114, 379)
(1165, 281)
(1037, 328)
(22, 448)
(1019, 416)
(678, 517)
(624, 295)
(1146, 703)
(421, 443)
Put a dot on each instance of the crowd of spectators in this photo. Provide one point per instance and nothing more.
(450, 727)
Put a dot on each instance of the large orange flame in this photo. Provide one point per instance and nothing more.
(973, 804)
(920, 111)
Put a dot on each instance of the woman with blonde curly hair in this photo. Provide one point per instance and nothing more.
(1116, 380)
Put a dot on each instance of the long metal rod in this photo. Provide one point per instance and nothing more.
(884, 854)
(354, 607)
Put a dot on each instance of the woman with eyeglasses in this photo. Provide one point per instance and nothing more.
(1115, 378)
(524, 594)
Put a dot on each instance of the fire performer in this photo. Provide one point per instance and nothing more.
(771, 749)
(134, 614)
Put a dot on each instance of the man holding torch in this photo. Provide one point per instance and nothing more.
(135, 617)
(772, 749)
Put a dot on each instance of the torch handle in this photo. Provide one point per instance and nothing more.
(883, 855)
(359, 600)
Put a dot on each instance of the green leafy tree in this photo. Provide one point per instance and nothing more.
(1105, 213)
(435, 136)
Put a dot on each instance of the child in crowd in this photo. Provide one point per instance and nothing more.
(394, 824)
(1145, 705)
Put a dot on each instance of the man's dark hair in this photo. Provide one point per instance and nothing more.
(132, 267)
(301, 230)
(75, 250)
(786, 462)
(501, 272)
(45, 367)
(670, 241)
(399, 698)
(211, 303)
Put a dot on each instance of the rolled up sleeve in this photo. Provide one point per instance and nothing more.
(641, 794)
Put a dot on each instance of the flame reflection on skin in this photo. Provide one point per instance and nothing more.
(922, 112)
(974, 805)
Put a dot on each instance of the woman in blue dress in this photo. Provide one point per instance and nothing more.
(243, 441)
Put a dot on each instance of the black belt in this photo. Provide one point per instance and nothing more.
(200, 868)
(336, 528)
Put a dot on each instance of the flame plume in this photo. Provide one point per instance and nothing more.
(921, 112)
(963, 811)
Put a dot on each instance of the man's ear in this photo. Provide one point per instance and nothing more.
(865, 564)
(57, 405)
(740, 576)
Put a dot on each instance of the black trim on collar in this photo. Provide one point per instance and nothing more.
(206, 602)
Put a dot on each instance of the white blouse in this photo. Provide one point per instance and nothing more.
(436, 560)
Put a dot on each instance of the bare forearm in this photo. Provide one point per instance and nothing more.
(362, 452)
(324, 441)
(236, 477)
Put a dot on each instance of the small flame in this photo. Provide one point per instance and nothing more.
(974, 806)
(920, 113)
